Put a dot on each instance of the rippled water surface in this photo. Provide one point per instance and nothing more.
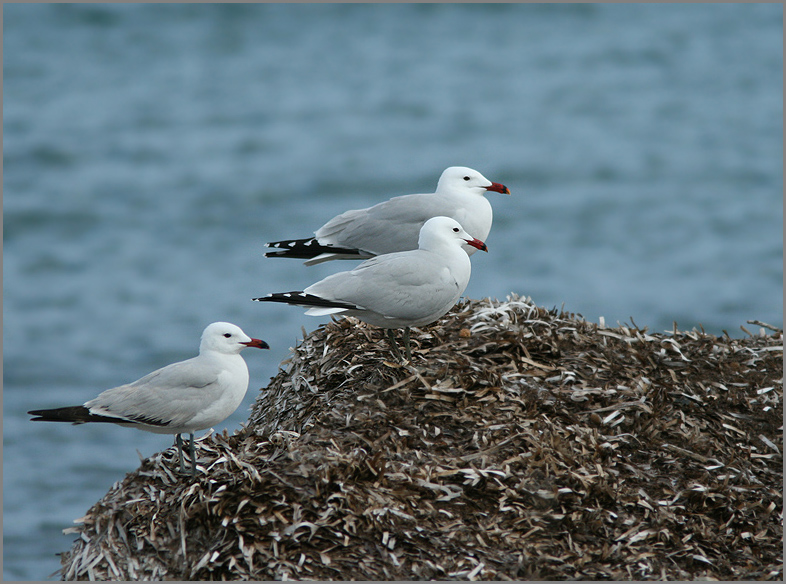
(150, 151)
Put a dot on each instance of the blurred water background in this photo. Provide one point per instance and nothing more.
(151, 150)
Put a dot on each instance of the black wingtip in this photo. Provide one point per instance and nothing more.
(292, 248)
(81, 415)
(285, 297)
(268, 298)
(306, 249)
(300, 298)
(75, 414)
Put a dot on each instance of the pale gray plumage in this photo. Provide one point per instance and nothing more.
(394, 225)
(183, 397)
(397, 290)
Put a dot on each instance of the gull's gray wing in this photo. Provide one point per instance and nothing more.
(170, 396)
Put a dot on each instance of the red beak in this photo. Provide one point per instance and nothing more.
(477, 243)
(498, 188)
(256, 343)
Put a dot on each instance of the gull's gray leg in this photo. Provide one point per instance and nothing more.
(406, 344)
(193, 456)
(179, 442)
(392, 339)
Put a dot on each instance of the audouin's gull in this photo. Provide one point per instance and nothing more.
(183, 397)
(402, 289)
(394, 225)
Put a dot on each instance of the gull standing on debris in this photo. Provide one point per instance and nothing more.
(395, 290)
(181, 398)
(395, 225)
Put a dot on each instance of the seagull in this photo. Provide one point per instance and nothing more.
(394, 225)
(183, 397)
(395, 290)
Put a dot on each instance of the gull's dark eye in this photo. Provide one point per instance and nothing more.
(466, 178)
(455, 230)
(227, 335)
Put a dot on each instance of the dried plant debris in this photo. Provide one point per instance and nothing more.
(520, 443)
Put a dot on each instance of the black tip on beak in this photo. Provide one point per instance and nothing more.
(259, 344)
(498, 188)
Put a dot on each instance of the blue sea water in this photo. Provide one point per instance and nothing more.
(151, 150)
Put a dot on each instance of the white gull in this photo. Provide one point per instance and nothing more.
(402, 289)
(183, 397)
(394, 225)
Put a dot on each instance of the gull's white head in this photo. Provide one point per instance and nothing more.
(227, 338)
(463, 179)
(440, 231)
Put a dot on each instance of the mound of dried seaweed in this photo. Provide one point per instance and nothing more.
(521, 443)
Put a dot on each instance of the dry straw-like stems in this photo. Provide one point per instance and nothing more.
(521, 443)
